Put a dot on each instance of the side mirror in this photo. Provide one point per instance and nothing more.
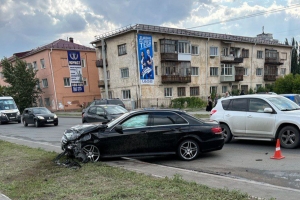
(268, 110)
(119, 129)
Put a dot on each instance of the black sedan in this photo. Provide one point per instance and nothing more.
(102, 113)
(38, 116)
(144, 133)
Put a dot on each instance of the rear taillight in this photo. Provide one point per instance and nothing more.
(213, 111)
(216, 130)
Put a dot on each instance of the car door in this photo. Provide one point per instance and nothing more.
(259, 123)
(30, 117)
(100, 115)
(235, 116)
(165, 131)
(91, 114)
(132, 141)
(25, 115)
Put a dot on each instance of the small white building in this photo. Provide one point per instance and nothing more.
(184, 63)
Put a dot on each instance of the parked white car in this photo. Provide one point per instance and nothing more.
(259, 117)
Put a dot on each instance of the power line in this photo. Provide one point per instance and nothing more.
(249, 16)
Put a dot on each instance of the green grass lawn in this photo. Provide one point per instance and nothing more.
(28, 173)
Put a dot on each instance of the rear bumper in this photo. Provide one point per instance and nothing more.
(212, 144)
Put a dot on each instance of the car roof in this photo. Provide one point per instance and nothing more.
(106, 105)
(289, 94)
(157, 110)
(250, 96)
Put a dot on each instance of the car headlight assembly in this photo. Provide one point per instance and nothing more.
(55, 116)
(18, 113)
(40, 117)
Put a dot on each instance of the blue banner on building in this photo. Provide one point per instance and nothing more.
(145, 59)
(76, 79)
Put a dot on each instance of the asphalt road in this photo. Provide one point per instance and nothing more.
(247, 160)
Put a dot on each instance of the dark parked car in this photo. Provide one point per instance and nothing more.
(102, 113)
(144, 133)
(115, 101)
(38, 116)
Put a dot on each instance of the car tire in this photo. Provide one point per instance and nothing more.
(36, 123)
(226, 133)
(19, 121)
(289, 137)
(24, 123)
(188, 150)
(55, 124)
(91, 152)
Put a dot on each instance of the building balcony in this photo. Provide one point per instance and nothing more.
(231, 59)
(101, 83)
(239, 77)
(270, 77)
(169, 56)
(175, 79)
(227, 78)
(99, 63)
(273, 61)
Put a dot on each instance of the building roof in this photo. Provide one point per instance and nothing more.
(191, 33)
(58, 44)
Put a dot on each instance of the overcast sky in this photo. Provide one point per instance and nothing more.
(27, 24)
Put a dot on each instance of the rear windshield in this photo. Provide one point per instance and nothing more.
(7, 104)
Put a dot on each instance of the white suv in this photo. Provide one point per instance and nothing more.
(259, 117)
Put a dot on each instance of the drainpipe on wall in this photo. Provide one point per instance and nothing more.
(50, 60)
(104, 68)
(138, 70)
(251, 64)
(206, 63)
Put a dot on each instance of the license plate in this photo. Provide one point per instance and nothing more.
(50, 120)
(12, 117)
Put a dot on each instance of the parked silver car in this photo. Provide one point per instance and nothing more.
(259, 117)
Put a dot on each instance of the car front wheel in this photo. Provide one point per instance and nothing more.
(226, 133)
(36, 123)
(92, 152)
(188, 150)
(289, 137)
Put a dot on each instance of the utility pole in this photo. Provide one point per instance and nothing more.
(104, 68)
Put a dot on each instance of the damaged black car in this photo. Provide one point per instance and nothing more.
(144, 133)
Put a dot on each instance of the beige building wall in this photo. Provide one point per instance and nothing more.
(204, 61)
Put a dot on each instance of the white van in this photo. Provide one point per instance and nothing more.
(9, 111)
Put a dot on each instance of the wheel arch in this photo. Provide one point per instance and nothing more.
(281, 126)
(192, 137)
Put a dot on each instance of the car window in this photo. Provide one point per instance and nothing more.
(225, 104)
(238, 105)
(99, 111)
(41, 111)
(114, 110)
(136, 121)
(258, 105)
(92, 110)
(93, 103)
(167, 118)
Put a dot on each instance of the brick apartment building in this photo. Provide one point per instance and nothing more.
(185, 63)
(51, 61)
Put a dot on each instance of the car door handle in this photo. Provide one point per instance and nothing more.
(249, 116)
(227, 115)
(143, 131)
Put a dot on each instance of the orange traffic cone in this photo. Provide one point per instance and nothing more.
(277, 154)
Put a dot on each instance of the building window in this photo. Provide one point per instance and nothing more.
(195, 50)
(43, 64)
(45, 83)
(225, 51)
(155, 46)
(258, 86)
(47, 101)
(110, 95)
(245, 88)
(246, 71)
(156, 70)
(121, 49)
(181, 91)
(283, 71)
(126, 94)
(67, 82)
(226, 70)
(224, 89)
(213, 89)
(38, 84)
(259, 72)
(259, 54)
(168, 92)
(194, 91)
(168, 46)
(34, 65)
(213, 71)
(213, 51)
(124, 73)
(245, 53)
(194, 71)
(184, 47)
(83, 63)
(29, 65)
(85, 82)
(283, 56)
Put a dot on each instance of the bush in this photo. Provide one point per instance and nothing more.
(191, 102)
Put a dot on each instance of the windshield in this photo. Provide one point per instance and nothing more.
(115, 110)
(7, 104)
(283, 103)
(114, 122)
(41, 111)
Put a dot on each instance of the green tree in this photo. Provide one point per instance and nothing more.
(288, 84)
(3, 91)
(22, 82)
(295, 68)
